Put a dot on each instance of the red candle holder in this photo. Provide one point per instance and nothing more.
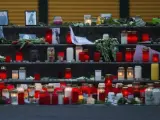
(8, 59)
(108, 81)
(21, 98)
(68, 73)
(102, 96)
(36, 95)
(37, 76)
(132, 37)
(125, 91)
(75, 95)
(55, 99)
(86, 55)
(97, 56)
(3, 73)
(128, 55)
(81, 56)
(145, 54)
(19, 56)
(145, 37)
(48, 36)
(119, 57)
(66, 100)
(60, 56)
(68, 38)
(155, 57)
(44, 98)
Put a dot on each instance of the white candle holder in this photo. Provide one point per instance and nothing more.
(130, 73)
(15, 74)
(14, 97)
(121, 73)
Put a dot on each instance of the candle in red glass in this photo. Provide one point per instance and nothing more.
(102, 96)
(44, 98)
(66, 100)
(86, 55)
(145, 37)
(81, 56)
(132, 37)
(155, 57)
(36, 76)
(21, 98)
(75, 95)
(125, 91)
(2, 86)
(55, 99)
(68, 73)
(60, 56)
(136, 90)
(8, 59)
(97, 56)
(19, 56)
(3, 73)
(36, 95)
(48, 36)
(128, 55)
(130, 89)
(108, 81)
(145, 54)
(68, 38)
(119, 57)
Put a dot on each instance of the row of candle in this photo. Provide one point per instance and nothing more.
(65, 94)
(129, 54)
(131, 37)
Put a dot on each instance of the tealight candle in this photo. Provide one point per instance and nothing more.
(130, 73)
(121, 73)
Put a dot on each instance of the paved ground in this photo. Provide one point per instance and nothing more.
(33, 112)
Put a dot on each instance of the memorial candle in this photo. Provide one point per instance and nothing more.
(68, 38)
(8, 59)
(145, 37)
(65, 100)
(145, 54)
(138, 72)
(78, 49)
(121, 73)
(20, 98)
(119, 57)
(130, 73)
(81, 56)
(155, 57)
(3, 73)
(128, 55)
(19, 56)
(22, 73)
(68, 92)
(15, 74)
(75, 95)
(55, 99)
(154, 71)
(68, 73)
(69, 54)
(97, 56)
(14, 97)
(37, 76)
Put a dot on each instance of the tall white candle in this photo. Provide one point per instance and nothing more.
(138, 72)
(69, 54)
(78, 50)
(68, 92)
(60, 98)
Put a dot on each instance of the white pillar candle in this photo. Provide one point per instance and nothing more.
(60, 98)
(77, 51)
(98, 75)
(138, 72)
(124, 37)
(68, 92)
(69, 54)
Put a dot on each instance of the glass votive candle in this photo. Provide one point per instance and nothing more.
(145, 37)
(19, 56)
(125, 91)
(8, 59)
(68, 73)
(68, 38)
(128, 55)
(119, 57)
(155, 57)
(60, 56)
(36, 76)
(15, 74)
(81, 56)
(97, 56)
(145, 54)
(3, 73)
(130, 73)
